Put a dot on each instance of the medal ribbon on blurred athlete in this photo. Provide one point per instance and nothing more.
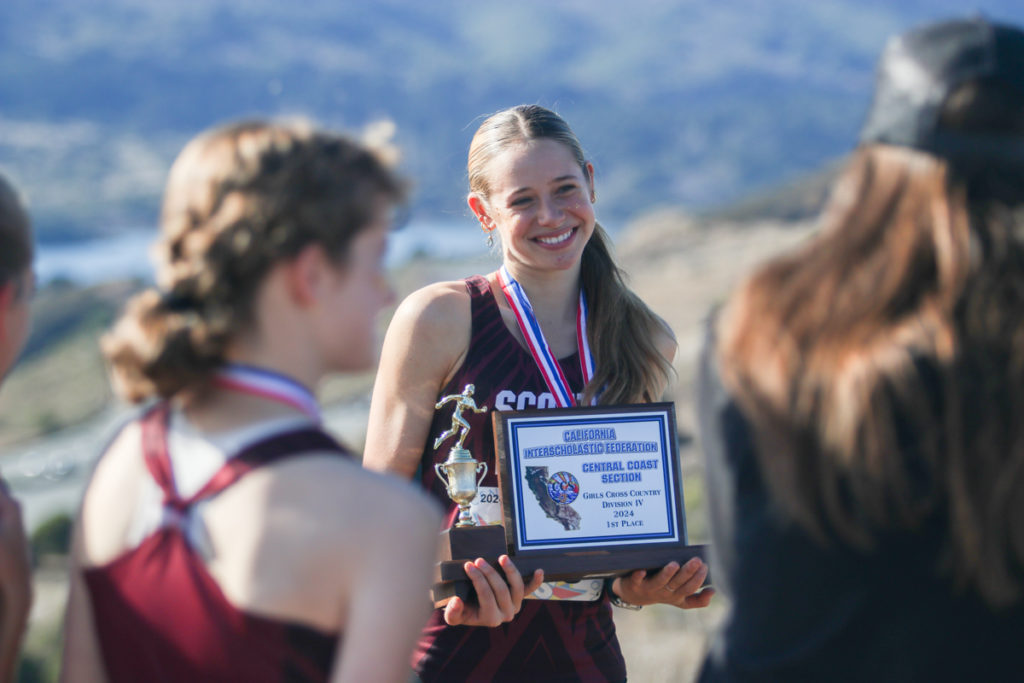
(539, 348)
(246, 379)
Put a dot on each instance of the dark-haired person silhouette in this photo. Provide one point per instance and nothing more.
(862, 397)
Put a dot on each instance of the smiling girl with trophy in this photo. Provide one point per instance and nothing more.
(554, 326)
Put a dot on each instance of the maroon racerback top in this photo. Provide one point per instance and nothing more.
(160, 616)
(549, 640)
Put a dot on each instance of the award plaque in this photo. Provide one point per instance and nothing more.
(586, 493)
(592, 491)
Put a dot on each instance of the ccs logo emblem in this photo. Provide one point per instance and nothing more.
(563, 488)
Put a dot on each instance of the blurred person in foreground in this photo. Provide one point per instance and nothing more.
(862, 397)
(224, 535)
(17, 283)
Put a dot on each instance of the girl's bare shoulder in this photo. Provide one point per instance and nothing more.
(111, 495)
(437, 305)
(429, 333)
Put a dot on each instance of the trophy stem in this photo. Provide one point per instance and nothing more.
(465, 518)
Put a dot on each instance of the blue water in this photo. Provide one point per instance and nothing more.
(126, 255)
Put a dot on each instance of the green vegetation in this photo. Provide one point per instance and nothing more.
(41, 653)
(52, 538)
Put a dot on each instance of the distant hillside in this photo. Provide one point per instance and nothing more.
(693, 104)
(60, 378)
(799, 199)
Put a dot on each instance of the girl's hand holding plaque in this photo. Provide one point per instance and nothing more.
(498, 598)
(672, 585)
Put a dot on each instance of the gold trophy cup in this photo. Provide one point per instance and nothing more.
(458, 473)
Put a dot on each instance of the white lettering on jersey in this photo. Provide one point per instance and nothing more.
(527, 399)
(510, 400)
(505, 400)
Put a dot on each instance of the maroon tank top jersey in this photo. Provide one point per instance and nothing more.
(549, 640)
(159, 614)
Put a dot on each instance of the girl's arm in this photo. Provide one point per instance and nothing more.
(425, 344)
(82, 660)
(110, 496)
(390, 573)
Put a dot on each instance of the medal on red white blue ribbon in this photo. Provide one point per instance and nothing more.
(538, 345)
(246, 379)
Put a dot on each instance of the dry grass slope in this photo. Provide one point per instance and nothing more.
(61, 379)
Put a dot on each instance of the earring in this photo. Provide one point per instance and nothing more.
(593, 197)
(489, 231)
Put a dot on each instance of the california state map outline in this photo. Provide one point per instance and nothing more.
(564, 514)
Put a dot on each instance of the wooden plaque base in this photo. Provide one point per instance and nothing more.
(489, 543)
(458, 546)
(465, 543)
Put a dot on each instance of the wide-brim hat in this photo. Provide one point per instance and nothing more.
(922, 67)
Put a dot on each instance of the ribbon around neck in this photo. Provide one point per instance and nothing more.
(275, 386)
(538, 345)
